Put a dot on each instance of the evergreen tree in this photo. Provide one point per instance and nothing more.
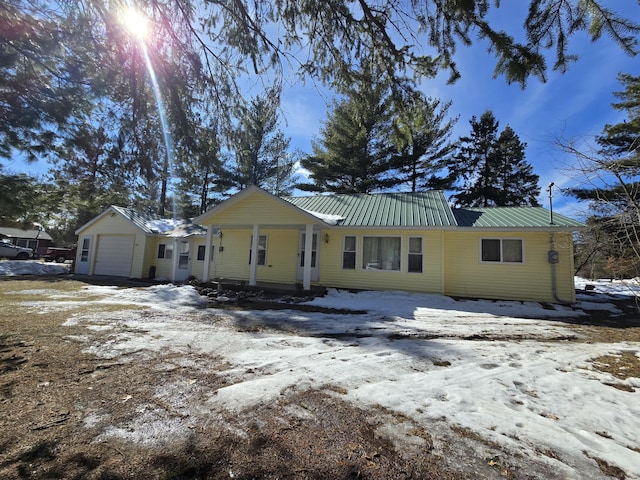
(422, 141)
(354, 153)
(612, 176)
(202, 173)
(619, 154)
(261, 148)
(490, 169)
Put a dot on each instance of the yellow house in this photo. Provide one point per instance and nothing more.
(123, 243)
(390, 241)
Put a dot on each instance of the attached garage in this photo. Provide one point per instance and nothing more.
(114, 255)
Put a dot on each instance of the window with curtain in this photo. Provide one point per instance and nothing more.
(381, 253)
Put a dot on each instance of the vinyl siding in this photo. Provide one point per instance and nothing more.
(281, 259)
(333, 275)
(108, 226)
(467, 276)
(259, 208)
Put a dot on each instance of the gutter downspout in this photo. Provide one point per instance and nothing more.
(553, 260)
(553, 253)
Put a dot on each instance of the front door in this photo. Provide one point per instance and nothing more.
(183, 261)
(315, 271)
(82, 265)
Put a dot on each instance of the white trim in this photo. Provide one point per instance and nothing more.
(400, 237)
(355, 252)
(408, 253)
(207, 254)
(308, 246)
(253, 264)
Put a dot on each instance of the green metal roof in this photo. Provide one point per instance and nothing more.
(419, 209)
(511, 217)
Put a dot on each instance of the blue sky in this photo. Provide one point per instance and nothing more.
(574, 105)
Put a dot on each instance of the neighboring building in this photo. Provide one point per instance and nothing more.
(386, 241)
(36, 239)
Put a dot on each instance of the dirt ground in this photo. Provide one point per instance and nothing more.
(54, 400)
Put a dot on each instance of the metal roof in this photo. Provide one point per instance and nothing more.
(418, 209)
(511, 217)
(11, 232)
(153, 224)
(140, 220)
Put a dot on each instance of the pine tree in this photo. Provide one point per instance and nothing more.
(422, 141)
(612, 176)
(261, 148)
(490, 169)
(354, 153)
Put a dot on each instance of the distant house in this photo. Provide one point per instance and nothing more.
(36, 239)
(386, 241)
(123, 243)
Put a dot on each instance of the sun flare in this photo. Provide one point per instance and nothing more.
(135, 22)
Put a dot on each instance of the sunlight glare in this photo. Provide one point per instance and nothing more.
(135, 22)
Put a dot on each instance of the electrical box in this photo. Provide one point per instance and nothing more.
(553, 257)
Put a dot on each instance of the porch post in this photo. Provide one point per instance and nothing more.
(254, 255)
(207, 253)
(308, 245)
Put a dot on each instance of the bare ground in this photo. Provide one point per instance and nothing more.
(57, 405)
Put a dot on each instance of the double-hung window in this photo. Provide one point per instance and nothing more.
(414, 258)
(381, 253)
(165, 251)
(502, 250)
(349, 253)
(262, 250)
(202, 250)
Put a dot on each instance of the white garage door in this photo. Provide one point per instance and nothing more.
(114, 255)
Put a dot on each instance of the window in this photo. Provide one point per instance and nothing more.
(262, 250)
(414, 260)
(349, 253)
(165, 251)
(202, 250)
(381, 253)
(84, 252)
(506, 250)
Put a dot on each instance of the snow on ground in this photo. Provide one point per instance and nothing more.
(501, 369)
(31, 267)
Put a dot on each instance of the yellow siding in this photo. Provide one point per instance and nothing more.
(149, 256)
(117, 225)
(233, 261)
(467, 276)
(333, 275)
(259, 208)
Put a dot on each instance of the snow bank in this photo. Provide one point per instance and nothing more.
(31, 267)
